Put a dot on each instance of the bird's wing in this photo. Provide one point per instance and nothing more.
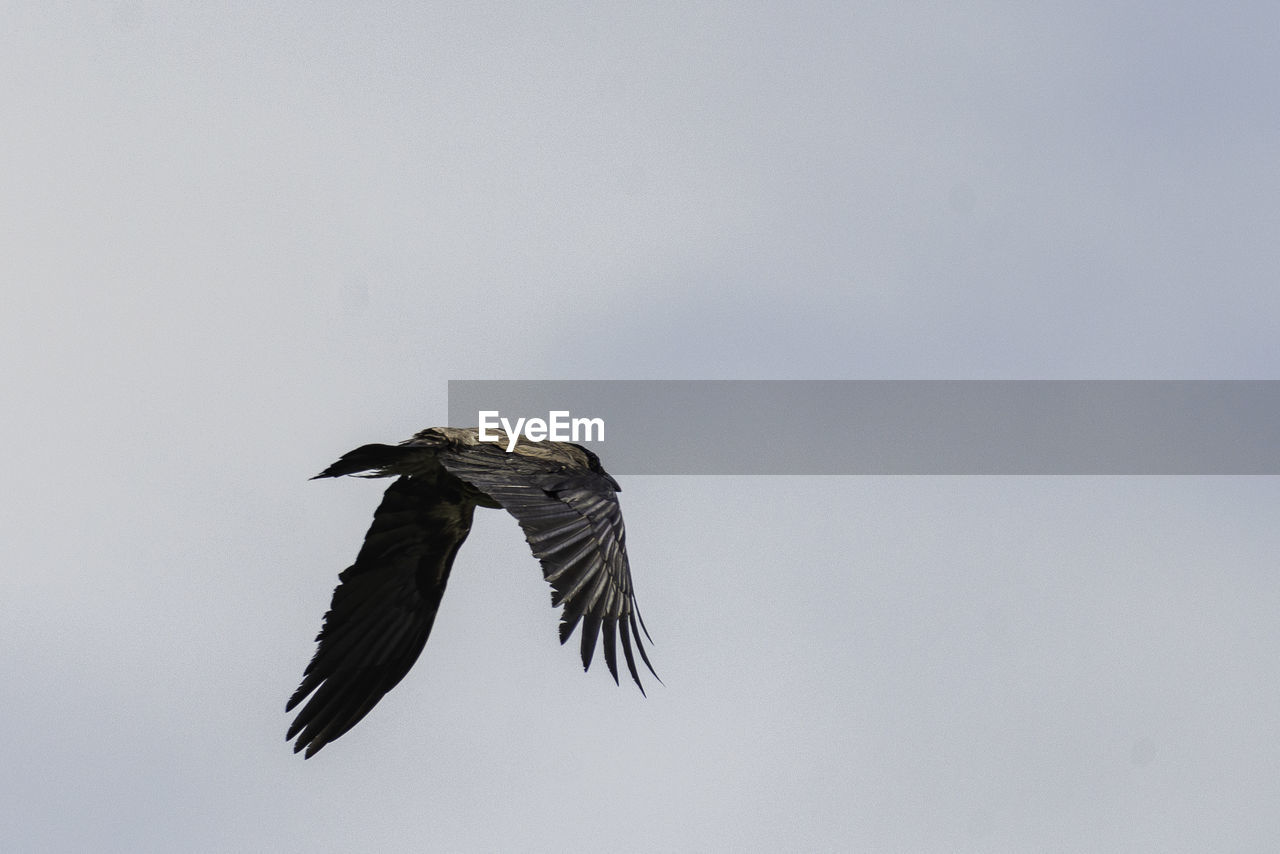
(383, 607)
(573, 523)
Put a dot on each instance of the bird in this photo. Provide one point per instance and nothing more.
(386, 602)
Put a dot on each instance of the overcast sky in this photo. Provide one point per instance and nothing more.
(240, 239)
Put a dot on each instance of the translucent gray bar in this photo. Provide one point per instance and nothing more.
(906, 427)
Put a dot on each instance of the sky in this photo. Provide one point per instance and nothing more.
(240, 239)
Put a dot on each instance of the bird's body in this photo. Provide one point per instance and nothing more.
(385, 604)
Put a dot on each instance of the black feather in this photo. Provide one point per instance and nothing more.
(386, 602)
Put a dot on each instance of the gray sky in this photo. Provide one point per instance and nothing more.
(239, 241)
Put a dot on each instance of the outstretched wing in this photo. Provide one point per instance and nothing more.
(383, 607)
(573, 523)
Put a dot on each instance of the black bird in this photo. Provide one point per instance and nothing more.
(385, 603)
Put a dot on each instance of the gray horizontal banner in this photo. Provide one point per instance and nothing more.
(893, 426)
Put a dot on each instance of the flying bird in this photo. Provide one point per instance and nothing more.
(385, 602)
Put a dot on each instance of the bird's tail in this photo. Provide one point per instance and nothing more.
(374, 459)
